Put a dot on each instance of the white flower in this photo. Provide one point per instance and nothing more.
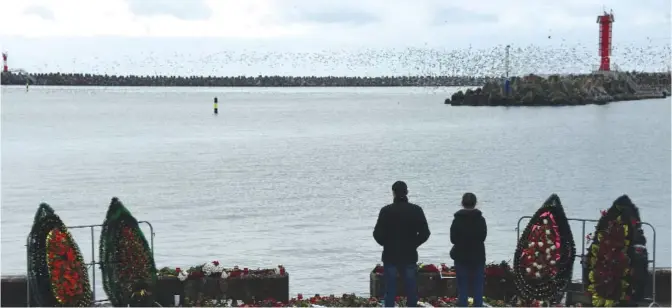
(537, 274)
(277, 271)
(534, 264)
(545, 221)
(531, 244)
(541, 244)
(552, 262)
(224, 275)
(549, 242)
(536, 253)
(553, 247)
(208, 268)
(548, 250)
(182, 275)
(548, 231)
(529, 257)
(528, 269)
(548, 257)
(539, 266)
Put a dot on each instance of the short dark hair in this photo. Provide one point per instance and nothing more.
(400, 189)
(469, 200)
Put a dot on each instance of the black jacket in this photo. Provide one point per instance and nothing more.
(401, 228)
(468, 233)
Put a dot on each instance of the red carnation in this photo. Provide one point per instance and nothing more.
(177, 270)
(216, 263)
(299, 296)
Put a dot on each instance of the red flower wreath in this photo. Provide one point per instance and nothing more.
(539, 259)
(65, 268)
(132, 260)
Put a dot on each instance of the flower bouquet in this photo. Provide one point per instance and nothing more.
(499, 279)
(57, 273)
(127, 262)
(544, 257)
(616, 257)
(212, 281)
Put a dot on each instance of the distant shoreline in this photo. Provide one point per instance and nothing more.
(57, 79)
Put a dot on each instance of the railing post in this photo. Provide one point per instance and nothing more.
(93, 264)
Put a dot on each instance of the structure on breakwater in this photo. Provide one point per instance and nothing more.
(58, 79)
(556, 90)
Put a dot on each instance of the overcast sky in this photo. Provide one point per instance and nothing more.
(328, 37)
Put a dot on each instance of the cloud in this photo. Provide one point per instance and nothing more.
(40, 11)
(325, 37)
(187, 10)
(456, 15)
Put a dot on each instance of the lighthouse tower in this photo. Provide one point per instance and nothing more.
(605, 21)
(5, 68)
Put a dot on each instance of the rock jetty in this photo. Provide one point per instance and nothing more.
(58, 79)
(556, 90)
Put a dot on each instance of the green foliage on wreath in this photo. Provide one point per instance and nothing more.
(553, 277)
(127, 262)
(57, 274)
(616, 265)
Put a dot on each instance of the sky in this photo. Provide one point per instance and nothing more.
(328, 37)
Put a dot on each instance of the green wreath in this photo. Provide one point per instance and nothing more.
(57, 274)
(127, 262)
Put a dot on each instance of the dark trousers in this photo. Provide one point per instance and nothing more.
(409, 274)
(469, 277)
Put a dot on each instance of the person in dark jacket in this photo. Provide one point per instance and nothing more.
(468, 233)
(401, 228)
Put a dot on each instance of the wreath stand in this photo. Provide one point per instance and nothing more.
(93, 262)
(582, 256)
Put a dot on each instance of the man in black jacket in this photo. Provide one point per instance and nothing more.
(401, 228)
(467, 233)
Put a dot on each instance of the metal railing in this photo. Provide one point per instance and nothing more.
(93, 262)
(583, 249)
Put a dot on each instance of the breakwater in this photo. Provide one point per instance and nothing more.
(556, 90)
(58, 79)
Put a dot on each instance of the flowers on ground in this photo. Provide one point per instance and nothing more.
(215, 270)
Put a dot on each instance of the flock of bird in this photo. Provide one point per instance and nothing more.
(522, 60)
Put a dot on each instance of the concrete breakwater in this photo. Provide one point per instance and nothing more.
(555, 90)
(58, 79)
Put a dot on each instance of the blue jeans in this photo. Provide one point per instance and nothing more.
(409, 274)
(465, 275)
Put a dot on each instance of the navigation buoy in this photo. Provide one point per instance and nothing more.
(215, 107)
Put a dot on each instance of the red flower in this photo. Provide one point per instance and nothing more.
(216, 263)
(177, 270)
(398, 298)
(634, 222)
(603, 212)
(299, 297)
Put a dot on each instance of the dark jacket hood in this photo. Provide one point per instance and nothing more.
(464, 213)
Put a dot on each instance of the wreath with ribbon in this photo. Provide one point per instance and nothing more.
(616, 264)
(57, 274)
(544, 257)
(129, 272)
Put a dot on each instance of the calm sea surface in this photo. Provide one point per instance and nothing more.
(297, 176)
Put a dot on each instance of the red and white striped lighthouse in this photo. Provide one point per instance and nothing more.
(605, 21)
(5, 68)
